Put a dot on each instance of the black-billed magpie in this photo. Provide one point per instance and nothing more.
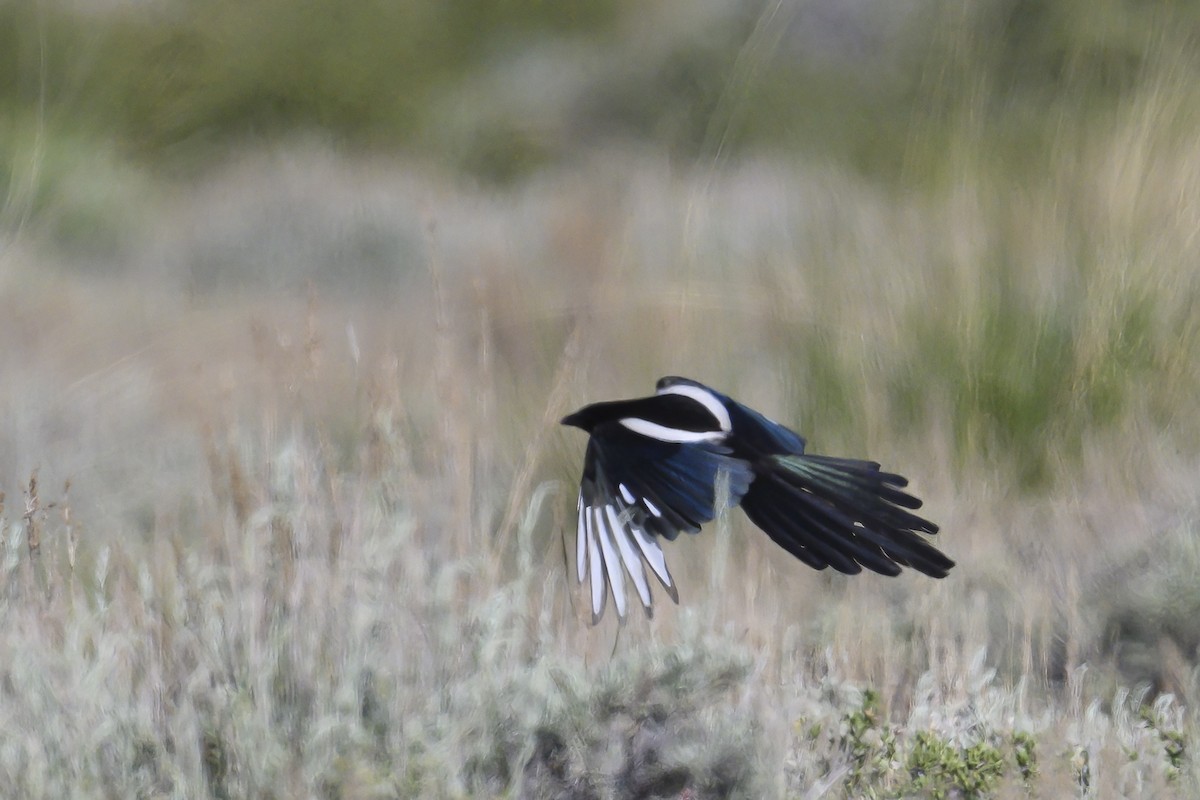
(659, 465)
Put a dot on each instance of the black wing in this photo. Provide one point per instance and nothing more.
(636, 489)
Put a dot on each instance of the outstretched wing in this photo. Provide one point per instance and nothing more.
(635, 490)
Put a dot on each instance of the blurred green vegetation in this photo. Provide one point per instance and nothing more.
(183, 80)
(1019, 398)
(1099, 46)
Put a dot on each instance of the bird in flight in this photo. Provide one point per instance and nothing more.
(659, 465)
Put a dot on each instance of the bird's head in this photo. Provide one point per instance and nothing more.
(585, 418)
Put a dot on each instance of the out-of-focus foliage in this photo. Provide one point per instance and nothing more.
(1099, 46)
(184, 74)
(1020, 71)
(500, 89)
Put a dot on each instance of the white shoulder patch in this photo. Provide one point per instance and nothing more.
(704, 398)
(664, 434)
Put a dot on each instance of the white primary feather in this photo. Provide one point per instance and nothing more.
(629, 498)
(653, 553)
(653, 509)
(631, 558)
(595, 563)
(612, 564)
(580, 542)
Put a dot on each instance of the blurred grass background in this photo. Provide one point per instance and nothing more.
(292, 296)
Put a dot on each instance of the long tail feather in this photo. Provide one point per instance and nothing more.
(843, 513)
